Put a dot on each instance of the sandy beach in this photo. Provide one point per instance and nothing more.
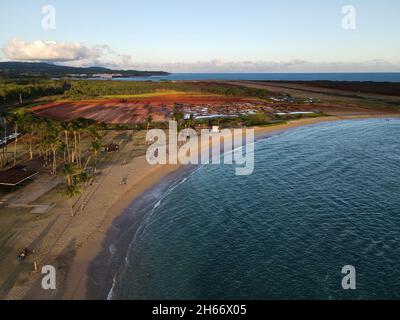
(79, 246)
(76, 287)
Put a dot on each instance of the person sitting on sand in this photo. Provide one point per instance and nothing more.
(24, 253)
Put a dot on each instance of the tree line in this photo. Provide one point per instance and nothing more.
(15, 90)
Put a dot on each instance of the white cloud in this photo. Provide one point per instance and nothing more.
(77, 54)
(46, 51)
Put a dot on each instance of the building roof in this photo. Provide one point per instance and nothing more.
(15, 176)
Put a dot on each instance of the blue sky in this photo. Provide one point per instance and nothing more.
(189, 35)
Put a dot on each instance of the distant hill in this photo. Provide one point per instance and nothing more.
(40, 69)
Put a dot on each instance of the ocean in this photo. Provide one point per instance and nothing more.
(321, 197)
(377, 77)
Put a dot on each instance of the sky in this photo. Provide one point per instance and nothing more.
(206, 35)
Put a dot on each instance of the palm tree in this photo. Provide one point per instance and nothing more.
(95, 148)
(72, 189)
(95, 145)
(66, 127)
(54, 142)
(5, 149)
(70, 171)
(77, 126)
(63, 149)
(29, 122)
(3, 155)
(15, 117)
(178, 116)
(70, 192)
(84, 126)
(85, 178)
(149, 120)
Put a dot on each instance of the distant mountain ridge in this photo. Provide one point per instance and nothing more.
(36, 69)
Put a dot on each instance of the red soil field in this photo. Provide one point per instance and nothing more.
(124, 111)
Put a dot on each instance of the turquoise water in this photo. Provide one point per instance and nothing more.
(321, 197)
(371, 76)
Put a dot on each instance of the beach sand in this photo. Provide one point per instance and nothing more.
(77, 241)
(77, 281)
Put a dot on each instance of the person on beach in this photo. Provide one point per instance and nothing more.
(23, 254)
(124, 181)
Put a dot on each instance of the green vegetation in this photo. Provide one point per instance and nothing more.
(301, 116)
(59, 144)
(20, 90)
(257, 119)
(34, 69)
(10, 91)
(47, 139)
(110, 89)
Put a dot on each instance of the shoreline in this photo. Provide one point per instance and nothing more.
(95, 259)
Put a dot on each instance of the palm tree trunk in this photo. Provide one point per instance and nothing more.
(30, 147)
(5, 143)
(69, 180)
(66, 144)
(87, 162)
(79, 150)
(147, 130)
(15, 143)
(75, 152)
(54, 162)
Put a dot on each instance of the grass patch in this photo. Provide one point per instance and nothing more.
(271, 124)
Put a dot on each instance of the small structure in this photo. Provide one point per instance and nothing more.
(16, 176)
(8, 139)
(293, 113)
(215, 129)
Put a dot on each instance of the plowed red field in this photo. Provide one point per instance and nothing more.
(119, 111)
